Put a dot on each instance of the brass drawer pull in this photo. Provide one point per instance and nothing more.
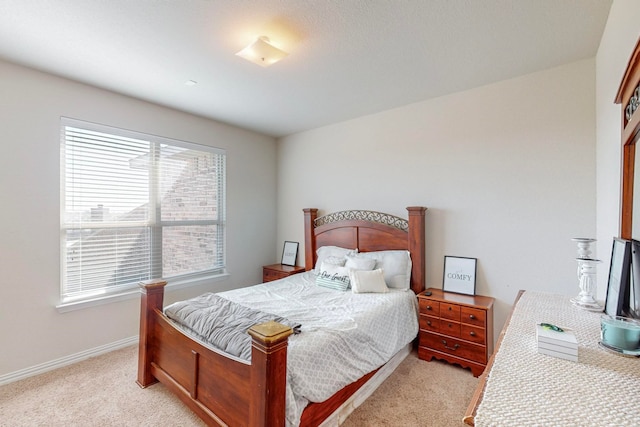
(454, 348)
(473, 334)
(471, 316)
(429, 322)
(429, 307)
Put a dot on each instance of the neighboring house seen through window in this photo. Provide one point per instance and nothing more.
(137, 207)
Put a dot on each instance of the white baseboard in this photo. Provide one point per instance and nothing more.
(67, 360)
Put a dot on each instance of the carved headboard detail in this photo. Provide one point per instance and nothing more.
(372, 216)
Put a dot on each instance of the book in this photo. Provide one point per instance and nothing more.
(565, 339)
(558, 354)
(557, 348)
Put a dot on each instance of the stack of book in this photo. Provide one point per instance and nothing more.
(557, 342)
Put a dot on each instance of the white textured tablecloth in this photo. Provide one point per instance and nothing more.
(525, 388)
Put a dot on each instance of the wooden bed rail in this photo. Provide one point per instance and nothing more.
(259, 387)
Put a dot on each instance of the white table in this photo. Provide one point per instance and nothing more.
(525, 388)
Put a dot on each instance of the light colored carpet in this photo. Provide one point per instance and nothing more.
(418, 394)
(101, 391)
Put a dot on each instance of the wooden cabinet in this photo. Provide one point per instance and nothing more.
(279, 271)
(456, 328)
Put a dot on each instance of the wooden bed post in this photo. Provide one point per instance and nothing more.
(151, 299)
(416, 247)
(268, 374)
(310, 215)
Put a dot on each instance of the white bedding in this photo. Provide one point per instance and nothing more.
(343, 335)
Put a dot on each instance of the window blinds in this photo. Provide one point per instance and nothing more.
(137, 207)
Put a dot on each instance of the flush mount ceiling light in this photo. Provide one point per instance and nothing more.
(262, 52)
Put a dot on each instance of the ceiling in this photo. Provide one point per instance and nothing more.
(347, 58)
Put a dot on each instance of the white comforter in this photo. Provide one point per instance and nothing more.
(343, 335)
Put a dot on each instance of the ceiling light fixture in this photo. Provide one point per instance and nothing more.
(262, 52)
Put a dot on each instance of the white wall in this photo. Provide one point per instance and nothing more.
(506, 170)
(32, 331)
(617, 43)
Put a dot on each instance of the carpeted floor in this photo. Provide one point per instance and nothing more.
(101, 391)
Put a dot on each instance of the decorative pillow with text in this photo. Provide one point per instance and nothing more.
(333, 276)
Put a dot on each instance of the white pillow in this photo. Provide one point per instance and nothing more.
(324, 252)
(360, 263)
(333, 276)
(334, 260)
(396, 266)
(363, 281)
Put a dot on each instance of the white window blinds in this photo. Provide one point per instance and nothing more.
(137, 207)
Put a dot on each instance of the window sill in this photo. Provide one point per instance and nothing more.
(128, 294)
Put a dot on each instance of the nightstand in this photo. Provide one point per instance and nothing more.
(279, 271)
(457, 328)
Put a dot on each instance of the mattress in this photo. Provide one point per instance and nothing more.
(342, 335)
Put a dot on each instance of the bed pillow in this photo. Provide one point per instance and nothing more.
(356, 262)
(396, 266)
(367, 281)
(335, 260)
(333, 276)
(324, 252)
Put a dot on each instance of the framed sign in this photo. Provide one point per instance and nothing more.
(289, 253)
(618, 286)
(459, 275)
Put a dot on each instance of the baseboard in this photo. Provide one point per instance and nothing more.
(67, 360)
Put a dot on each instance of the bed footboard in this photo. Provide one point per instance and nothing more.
(219, 389)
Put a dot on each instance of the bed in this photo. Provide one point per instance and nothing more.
(224, 390)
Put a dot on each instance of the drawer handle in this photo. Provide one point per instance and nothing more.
(449, 309)
(473, 334)
(429, 322)
(429, 307)
(454, 348)
(471, 316)
(450, 325)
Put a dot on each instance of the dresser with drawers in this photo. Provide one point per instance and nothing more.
(457, 328)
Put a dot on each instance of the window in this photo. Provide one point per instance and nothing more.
(137, 207)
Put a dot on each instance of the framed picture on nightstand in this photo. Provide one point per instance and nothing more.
(459, 275)
(289, 253)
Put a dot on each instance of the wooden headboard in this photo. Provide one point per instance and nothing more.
(369, 231)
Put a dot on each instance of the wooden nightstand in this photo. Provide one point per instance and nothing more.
(456, 328)
(279, 271)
